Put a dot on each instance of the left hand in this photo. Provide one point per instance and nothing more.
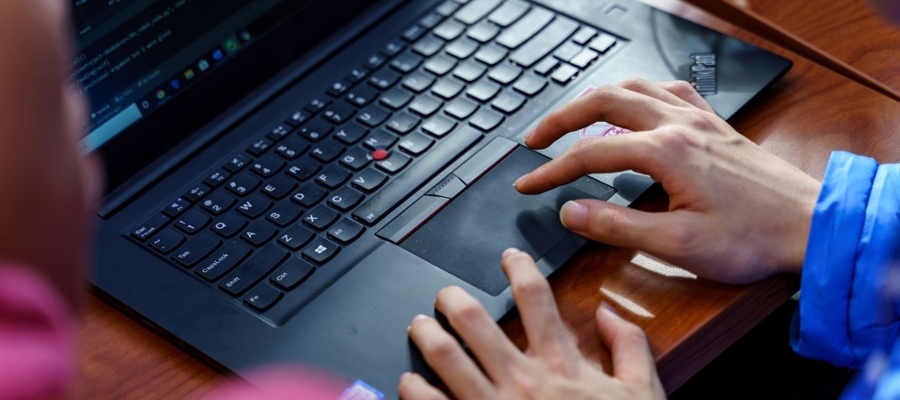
(551, 368)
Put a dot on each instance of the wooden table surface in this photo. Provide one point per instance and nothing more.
(805, 116)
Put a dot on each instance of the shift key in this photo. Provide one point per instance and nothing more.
(253, 270)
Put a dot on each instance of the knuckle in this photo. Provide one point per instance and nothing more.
(682, 89)
(634, 83)
(608, 223)
(469, 313)
(682, 240)
(441, 350)
(531, 287)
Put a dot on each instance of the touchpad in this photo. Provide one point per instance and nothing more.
(468, 236)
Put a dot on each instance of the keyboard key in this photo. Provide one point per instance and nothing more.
(316, 105)
(403, 123)
(149, 227)
(315, 130)
(508, 102)
(440, 65)
(483, 32)
(462, 48)
(345, 198)
(392, 49)
(263, 297)
(406, 62)
(373, 116)
(339, 112)
(298, 118)
(425, 105)
(292, 273)
(295, 237)
(176, 207)
(350, 133)
(327, 151)
(223, 260)
(565, 74)
(428, 46)
(567, 51)
(284, 214)
(491, 54)
(431, 20)
(483, 91)
(439, 126)
(217, 178)
(505, 74)
(229, 225)
(259, 147)
(449, 30)
(383, 79)
(346, 231)
(320, 218)
(333, 177)
(166, 241)
(259, 233)
(291, 148)
(603, 42)
(217, 203)
(308, 195)
(509, 12)
(355, 159)
(195, 250)
(192, 221)
(414, 33)
(469, 71)
(374, 61)
(461, 108)
(585, 58)
(356, 75)
(447, 88)
(242, 184)
(337, 89)
(530, 85)
(369, 180)
(362, 95)
(196, 193)
(434, 161)
(253, 270)
(394, 163)
(321, 250)
(525, 28)
(486, 120)
(546, 66)
(476, 10)
(280, 132)
(447, 8)
(380, 140)
(253, 206)
(267, 167)
(304, 168)
(544, 42)
(237, 163)
(584, 35)
(395, 99)
(416, 144)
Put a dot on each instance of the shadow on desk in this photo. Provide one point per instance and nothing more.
(736, 373)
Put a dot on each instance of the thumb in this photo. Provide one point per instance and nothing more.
(656, 233)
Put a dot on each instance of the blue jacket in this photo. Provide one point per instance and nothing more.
(849, 311)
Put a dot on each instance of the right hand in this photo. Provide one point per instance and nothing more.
(736, 214)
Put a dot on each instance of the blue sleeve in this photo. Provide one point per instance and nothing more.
(855, 234)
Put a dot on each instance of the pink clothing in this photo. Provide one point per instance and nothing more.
(37, 358)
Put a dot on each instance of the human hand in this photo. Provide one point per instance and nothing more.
(551, 368)
(736, 212)
(47, 185)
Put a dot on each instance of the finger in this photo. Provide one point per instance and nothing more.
(661, 234)
(444, 354)
(640, 153)
(478, 329)
(654, 90)
(632, 359)
(685, 91)
(612, 104)
(415, 387)
(540, 317)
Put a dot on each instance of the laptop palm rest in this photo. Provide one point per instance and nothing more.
(464, 224)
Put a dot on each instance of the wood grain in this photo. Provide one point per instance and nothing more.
(805, 116)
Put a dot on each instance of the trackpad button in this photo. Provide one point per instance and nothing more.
(467, 237)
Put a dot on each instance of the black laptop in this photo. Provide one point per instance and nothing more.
(294, 180)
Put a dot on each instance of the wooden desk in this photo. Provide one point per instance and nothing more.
(809, 113)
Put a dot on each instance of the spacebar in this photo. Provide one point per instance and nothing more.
(398, 190)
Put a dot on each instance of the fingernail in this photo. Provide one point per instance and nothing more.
(520, 181)
(510, 251)
(607, 308)
(405, 376)
(414, 320)
(528, 137)
(573, 215)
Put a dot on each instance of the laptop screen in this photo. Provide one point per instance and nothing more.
(135, 56)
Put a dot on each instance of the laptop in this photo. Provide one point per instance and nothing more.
(291, 181)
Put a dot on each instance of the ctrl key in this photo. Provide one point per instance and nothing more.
(263, 297)
(292, 273)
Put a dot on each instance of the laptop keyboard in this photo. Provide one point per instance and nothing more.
(263, 222)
